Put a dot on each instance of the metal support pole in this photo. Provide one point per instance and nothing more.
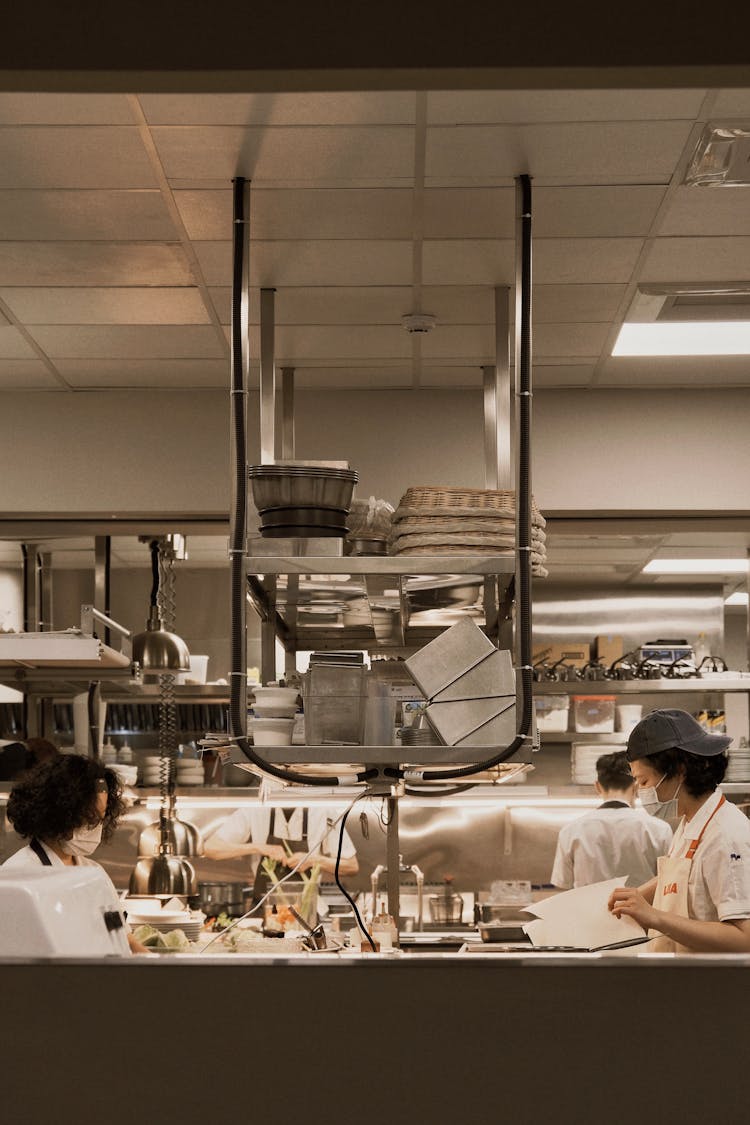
(31, 588)
(240, 341)
(287, 414)
(393, 861)
(267, 377)
(102, 577)
(498, 402)
(44, 571)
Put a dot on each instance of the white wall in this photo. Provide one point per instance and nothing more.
(157, 451)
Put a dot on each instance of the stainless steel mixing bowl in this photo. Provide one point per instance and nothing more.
(301, 490)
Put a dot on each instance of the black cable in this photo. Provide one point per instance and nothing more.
(341, 886)
(154, 548)
(438, 790)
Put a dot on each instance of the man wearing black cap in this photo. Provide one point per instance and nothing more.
(699, 901)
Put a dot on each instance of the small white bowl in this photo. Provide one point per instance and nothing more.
(267, 711)
(276, 696)
(272, 732)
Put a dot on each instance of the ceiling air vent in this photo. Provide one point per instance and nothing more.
(721, 157)
(686, 301)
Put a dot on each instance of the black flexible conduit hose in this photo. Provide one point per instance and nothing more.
(238, 678)
(154, 548)
(523, 393)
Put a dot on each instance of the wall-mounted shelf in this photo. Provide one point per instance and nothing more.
(643, 687)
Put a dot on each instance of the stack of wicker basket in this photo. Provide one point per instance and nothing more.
(481, 521)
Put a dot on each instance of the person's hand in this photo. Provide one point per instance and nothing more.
(630, 902)
(305, 861)
(275, 851)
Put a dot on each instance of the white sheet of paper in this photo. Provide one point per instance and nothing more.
(580, 918)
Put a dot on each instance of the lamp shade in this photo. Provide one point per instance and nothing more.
(156, 650)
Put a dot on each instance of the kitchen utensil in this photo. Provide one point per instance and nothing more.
(221, 898)
(446, 909)
(276, 696)
(275, 486)
(271, 732)
(163, 874)
(323, 517)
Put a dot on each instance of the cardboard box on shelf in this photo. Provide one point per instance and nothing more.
(576, 653)
(607, 648)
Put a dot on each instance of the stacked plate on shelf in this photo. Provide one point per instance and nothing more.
(739, 764)
(473, 521)
(164, 922)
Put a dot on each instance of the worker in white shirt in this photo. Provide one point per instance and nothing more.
(613, 839)
(700, 900)
(285, 835)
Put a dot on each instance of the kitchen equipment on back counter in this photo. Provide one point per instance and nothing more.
(222, 898)
(446, 908)
(335, 694)
(404, 869)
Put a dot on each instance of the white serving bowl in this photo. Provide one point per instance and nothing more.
(268, 711)
(276, 696)
(272, 732)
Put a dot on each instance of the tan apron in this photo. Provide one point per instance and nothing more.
(671, 893)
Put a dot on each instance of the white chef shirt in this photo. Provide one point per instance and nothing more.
(254, 824)
(719, 881)
(608, 842)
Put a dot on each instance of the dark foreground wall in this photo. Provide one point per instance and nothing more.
(434, 1040)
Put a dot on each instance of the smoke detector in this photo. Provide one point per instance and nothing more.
(419, 323)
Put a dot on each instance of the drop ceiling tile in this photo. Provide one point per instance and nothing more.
(64, 109)
(110, 373)
(469, 212)
(586, 260)
(448, 341)
(90, 215)
(698, 259)
(460, 304)
(509, 106)
(675, 371)
(73, 157)
(344, 108)
(450, 376)
(106, 306)
(93, 264)
(595, 212)
(374, 154)
(569, 339)
(26, 374)
(557, 304)
(707, 211)
(468, 262)
(565, 375)
(129, 341)
(733, 102)
(592, 153)
(326, 305)
(324, 262)
(353, 378)
(302, 213)
(298, 346)
(13, 345)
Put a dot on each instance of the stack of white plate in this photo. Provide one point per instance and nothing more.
(189, 771)
(739, 764)
(166, 922)
(150, 773)
(583, 759)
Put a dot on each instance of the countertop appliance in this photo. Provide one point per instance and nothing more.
(60, 913)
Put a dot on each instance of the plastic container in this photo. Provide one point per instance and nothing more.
(628, 715)
(125, 754)
(594, 714)
(552, 712)
(583, 759)
(272, 732)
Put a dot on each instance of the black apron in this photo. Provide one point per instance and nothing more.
(40, 853)
(262, 882)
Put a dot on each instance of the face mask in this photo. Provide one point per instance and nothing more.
(662, 810)
(84, 841)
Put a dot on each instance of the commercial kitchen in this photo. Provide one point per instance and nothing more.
(376, 459)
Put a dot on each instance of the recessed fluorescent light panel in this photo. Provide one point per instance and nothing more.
(714, 337)
(696, 566)
(739, 597)
(721, 157)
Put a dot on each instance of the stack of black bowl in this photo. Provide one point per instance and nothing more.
(302, 500)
